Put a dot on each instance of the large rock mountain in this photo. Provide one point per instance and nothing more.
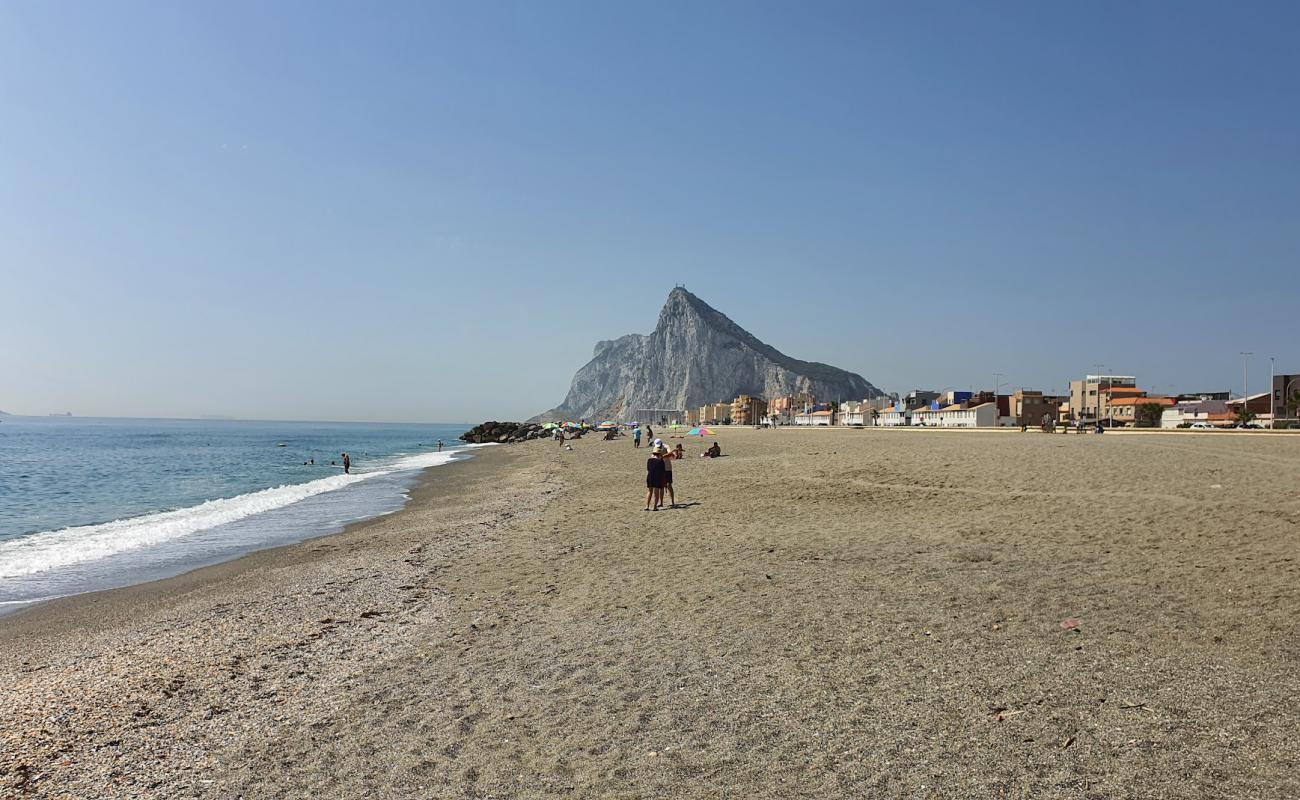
(696, 355)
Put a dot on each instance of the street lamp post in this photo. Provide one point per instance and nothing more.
(1245, 385)
(1110, 408)
(1272, 401)
(1100, 368)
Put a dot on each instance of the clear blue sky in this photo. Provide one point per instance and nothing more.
(432, 212)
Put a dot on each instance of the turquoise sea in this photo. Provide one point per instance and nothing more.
(88, 504)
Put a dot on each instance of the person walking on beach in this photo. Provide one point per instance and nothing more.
(439, 445)
(347, 464)
(636, 437)
(654, 481)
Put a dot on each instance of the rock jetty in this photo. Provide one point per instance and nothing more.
(503, 432)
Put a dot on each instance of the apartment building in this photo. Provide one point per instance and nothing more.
(748, 410)
(1087, 398)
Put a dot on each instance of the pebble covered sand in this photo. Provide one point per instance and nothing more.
(838, 613)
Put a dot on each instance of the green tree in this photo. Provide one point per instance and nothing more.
(1244, 415)
(1148, 414)
(875, 415)
(1293, 403)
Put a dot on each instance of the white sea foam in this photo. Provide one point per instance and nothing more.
(50, 550)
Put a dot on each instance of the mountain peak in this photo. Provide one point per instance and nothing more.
(695, 355)
(680, 298)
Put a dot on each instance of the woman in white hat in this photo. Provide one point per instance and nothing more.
(667, 455)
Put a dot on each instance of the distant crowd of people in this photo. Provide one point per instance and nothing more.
(659, 466)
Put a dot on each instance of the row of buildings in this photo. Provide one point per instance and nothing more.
(1112, 400)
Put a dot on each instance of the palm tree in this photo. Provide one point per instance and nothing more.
(1244, 415)
(875, 413)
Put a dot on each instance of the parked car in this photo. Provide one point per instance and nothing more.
(1204, 426)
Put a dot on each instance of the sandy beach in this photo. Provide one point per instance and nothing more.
(846, 613)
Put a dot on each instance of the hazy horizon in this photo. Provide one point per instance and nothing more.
(425, 213)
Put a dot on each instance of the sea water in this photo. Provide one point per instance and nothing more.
(89, 504)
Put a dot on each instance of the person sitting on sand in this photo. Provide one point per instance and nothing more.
(713, 452)
(679, 452)
(654, 481)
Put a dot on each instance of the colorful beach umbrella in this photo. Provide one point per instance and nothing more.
(700, 432)
(549, 425)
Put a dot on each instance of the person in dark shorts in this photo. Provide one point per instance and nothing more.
(667, 456)
(347, 464)
(654, 481)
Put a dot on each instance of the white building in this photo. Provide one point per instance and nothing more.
(814, 418)
(926, 417)
(1211, 411)
(852, 413)
(895, 417)
(981, 416)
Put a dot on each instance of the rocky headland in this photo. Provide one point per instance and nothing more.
(695, 355)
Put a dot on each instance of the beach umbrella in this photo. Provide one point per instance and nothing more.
(549, 425)
(700, 432)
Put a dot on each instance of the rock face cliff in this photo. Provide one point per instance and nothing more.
(696, 355)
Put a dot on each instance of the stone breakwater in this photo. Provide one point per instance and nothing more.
(503, 432)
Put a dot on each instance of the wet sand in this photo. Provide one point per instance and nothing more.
(835, 613)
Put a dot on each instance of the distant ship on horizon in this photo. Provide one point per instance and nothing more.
(64, 414)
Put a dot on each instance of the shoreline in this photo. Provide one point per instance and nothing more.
(16, 609)
(59, 612)
(150, 690)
